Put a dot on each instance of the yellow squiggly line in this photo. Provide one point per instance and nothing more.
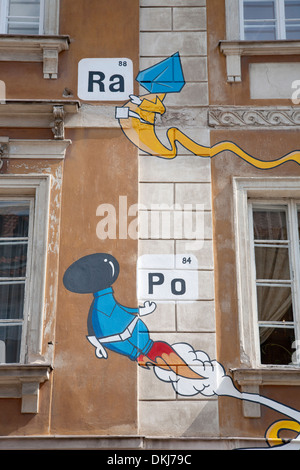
(175, 135)
(141, 131)
(272, 433)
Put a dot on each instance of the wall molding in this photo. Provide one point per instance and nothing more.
(96, 442)
(235, 50)
(250, 381)
(35, 149)
(45, 49)
(254, 117)
(38, 114)
(23, 381)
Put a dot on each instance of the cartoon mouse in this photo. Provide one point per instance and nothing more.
(112, 325)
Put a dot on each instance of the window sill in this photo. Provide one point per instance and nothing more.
(23, 381)
(234, 50)
(35, 48)
(251, 379)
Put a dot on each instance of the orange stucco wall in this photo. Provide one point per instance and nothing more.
(84, 395)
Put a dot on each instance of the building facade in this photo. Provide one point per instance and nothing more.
(149, 224)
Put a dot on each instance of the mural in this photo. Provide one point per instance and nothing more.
(137, 119)
(116, 327)
(113, 327)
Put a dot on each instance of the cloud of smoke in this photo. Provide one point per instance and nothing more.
(216, 382)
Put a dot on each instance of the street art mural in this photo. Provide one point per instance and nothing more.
(113, 327)
(121, 329)
(137, 119)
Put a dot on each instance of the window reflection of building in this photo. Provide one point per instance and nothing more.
(14, 235)
(270, 20)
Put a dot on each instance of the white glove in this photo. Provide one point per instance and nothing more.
(100, 350)
(148, 308)
(135, 99)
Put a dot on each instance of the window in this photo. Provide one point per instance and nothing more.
(270, 20)
(268, 270)
(24, 215)
(28, 275)
(24, 17)
(267, 221)
(275, 250)
(259, 28)
(15, 238)
(29, 32)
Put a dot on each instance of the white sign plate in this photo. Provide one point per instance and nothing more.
(168, 277)
(105, 79)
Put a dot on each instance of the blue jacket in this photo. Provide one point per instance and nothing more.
(110, 318)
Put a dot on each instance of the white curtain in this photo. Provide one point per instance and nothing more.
(272, 263)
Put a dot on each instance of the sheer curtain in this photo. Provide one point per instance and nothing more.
(272, 264)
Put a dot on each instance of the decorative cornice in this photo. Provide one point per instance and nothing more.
(249, 117)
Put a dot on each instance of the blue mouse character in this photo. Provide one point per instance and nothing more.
(110, 324)
(116, 327)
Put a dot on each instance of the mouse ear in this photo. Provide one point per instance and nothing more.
(89, 274)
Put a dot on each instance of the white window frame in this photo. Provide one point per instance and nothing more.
(37, 190)
(26, 312)
(269, 191)
(279, 19)
(4, 8)
(249, 373)
(290, 207)
(23, 380)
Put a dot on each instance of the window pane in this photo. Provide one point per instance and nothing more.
(13, 29)
(269, 225)
(272, 263)
(21, 13)
(24, 8)
(293, 32)
(12, 301)
(10, 343)
(259, 10)
(274, 304)
(276, 345)
(260, 33)
(14, 218)
(13, 259)
(292, 9)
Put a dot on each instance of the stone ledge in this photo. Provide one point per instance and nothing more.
(119, 443)
(251, 379)
(36, 149)
(38, 114)
(23, 381)
(36, 48)
(234, 50)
